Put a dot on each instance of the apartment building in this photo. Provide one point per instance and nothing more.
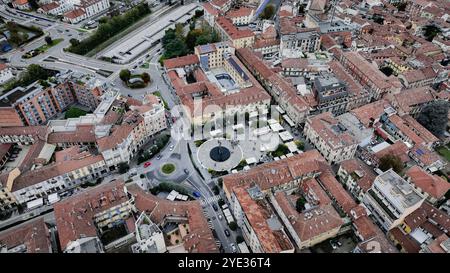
(261, 228)
(240, 16)
(239, 37)
(92, 213)
(391, 199)
(330, 137)
(303, 39)
(30, 237)
(317, 223)
(138, 125)
(356, 176)
(331, 94)
(366, 74)
(430, 186)
(57, 177)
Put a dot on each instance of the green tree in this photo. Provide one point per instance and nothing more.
(15, 38)
(221, 202)
(239, 239)
(191, 38)
(233, 226)
(268, 12)
(125, 75)
(220, 182)
(391, 161)
(74, 42)
(300, 204)
(48, 40)
(434, 117)
(33, 4)
(123, 167)
(430, 31)
(146, 77)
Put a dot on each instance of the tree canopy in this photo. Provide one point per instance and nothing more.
(391, 161)
(268, 12)
(434, 117)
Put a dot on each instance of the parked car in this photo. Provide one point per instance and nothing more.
(220, 216)
(186, 171)
(158, 157)
(215, 207)
(147, 164)
(227, 232)
(196, 194)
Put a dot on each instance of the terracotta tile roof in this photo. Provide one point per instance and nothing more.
(276, 173)
(4, 148)
(20, 2)
(117, 136)
(232, 30)
(409, 98)
(425, 155)
(425, 213)
(210, 9)
(324, 124)
(49, 6)
(181, 61)
(375, 75)
(257, 215)
(75, 215)
(366, 114)
(399, 149)
(75, 13)
(435, 246)
(200, 238)
(342, 197)
(34, 235)
(83, 134)
(408, 244)
(315, 222)
(356, 165)
(432, 184)
(365, 227)
(240, 12)
(38, 175)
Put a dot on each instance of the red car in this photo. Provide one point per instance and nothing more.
(146, 164)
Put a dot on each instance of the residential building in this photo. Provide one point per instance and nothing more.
(30, 237)
(356, 176)
(261, 228)
(330, 137)
(149, 237)
(239, 37)
(92, 213)
(430, 186)
(317, 223)
(391, 199)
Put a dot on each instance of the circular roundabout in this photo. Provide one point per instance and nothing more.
(219, 154)
(168, 168)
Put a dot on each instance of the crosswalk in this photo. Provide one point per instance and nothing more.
(209, 200)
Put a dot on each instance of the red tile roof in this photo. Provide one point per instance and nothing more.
(434, 185)
(200, 238)
(181, 61)
(75, 215)
(34, 235)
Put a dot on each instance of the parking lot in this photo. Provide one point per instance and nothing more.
(346, 241)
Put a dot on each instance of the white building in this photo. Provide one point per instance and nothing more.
(391, 199)
(330, 137)
(149, 237)
(5, 73)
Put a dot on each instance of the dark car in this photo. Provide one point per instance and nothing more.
(215, 207)
(196, 194)
(227, 232)
(186, 171)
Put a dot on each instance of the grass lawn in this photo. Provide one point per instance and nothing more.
(82, 30)
(168, 168)
(75, 112)
(145, 65)
(45, 47)
(158, 94)
(444, 151)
